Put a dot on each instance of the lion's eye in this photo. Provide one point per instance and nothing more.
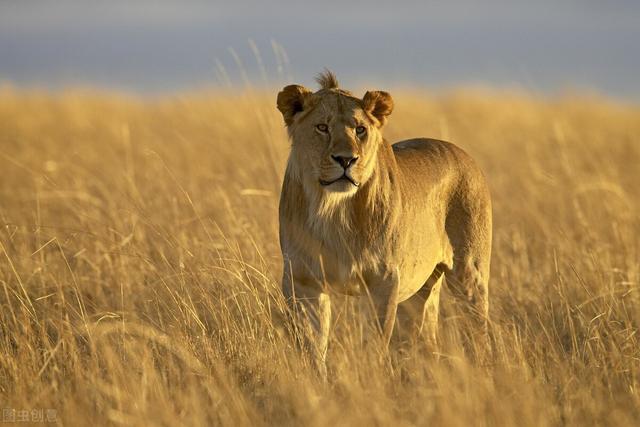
(322, 127)
(360, 130)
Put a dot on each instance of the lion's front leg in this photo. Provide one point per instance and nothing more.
(311, 310)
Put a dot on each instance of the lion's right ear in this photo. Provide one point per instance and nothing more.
(291, 101)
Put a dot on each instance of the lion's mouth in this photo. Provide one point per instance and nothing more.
(343, 177)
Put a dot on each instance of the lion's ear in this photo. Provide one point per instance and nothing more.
(379, 104)
(291, 101)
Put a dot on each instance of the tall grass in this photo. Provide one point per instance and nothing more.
(140, 268)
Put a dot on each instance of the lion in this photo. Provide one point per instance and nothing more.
(360, 216)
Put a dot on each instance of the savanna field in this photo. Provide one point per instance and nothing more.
(140, 267)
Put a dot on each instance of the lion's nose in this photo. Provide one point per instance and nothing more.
(345, 162)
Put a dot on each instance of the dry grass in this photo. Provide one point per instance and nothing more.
(139, 267)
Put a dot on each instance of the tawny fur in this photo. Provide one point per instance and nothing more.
(422, 208)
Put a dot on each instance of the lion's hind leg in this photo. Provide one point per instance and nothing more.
(418, 316)
(469, 284)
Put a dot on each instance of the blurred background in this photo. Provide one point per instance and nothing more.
(140, 264)
(155, 47)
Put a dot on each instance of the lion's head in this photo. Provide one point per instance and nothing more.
(335, 136)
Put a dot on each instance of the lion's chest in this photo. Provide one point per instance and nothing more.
(345, 267)
(343, 277)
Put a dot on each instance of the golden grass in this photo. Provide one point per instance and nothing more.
(140, 268)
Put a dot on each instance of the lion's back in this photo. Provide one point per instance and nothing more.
(434, 154)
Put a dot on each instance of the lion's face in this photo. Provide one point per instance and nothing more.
(335, 143)
(335, 136)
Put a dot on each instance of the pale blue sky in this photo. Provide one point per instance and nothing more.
(166, 46)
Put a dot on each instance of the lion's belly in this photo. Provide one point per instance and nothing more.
(416, 269)
(354, 285)
(412, 282)
(417, 253)
(348, 279)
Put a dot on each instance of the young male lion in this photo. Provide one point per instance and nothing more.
(363, 217)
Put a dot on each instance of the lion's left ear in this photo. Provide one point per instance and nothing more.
(379, 104)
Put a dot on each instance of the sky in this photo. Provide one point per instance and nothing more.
(170, 46)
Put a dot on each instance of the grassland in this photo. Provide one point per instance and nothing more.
(139, 267)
